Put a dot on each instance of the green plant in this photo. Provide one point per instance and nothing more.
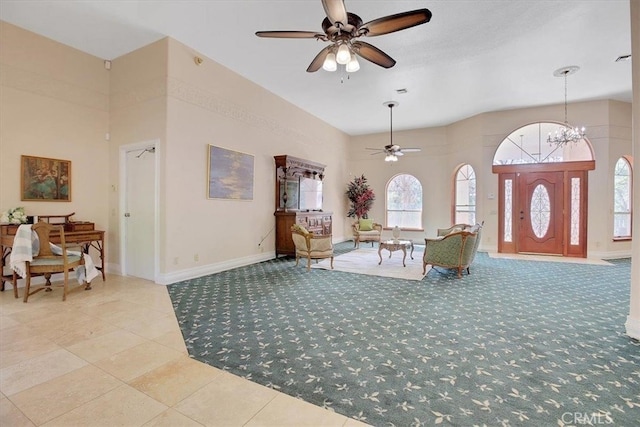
(361, 197)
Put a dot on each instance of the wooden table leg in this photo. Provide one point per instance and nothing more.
(404, 255)
(380, 253)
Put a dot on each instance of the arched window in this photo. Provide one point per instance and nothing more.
(404, 202)
(465, 191)
(622, 199)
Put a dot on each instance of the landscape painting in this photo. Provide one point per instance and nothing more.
(230, 174)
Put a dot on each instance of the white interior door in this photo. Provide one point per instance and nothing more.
(139, 213)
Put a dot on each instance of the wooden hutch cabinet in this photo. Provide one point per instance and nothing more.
(298, 200)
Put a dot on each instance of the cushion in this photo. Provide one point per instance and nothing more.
(300, 229)
(366, 224)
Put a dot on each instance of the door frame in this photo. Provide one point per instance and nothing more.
(124, 149)
(570, 170)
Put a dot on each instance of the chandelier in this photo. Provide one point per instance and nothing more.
(565, 133)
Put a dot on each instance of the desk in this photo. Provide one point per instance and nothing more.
(84, 239)
(396, 245)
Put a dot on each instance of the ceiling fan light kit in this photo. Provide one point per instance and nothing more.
(392, 151)
(342, 28)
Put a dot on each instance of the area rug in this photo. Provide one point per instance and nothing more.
(365, 261)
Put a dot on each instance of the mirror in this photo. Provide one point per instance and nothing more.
(310, 194)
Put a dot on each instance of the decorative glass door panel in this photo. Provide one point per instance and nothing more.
(540, 212)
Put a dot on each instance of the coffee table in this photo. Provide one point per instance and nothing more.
(396, 245)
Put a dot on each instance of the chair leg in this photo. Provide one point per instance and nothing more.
(332, 263)
(309, 263)
(15, 284)
(459, 272)
(66, 285)
(27, 286)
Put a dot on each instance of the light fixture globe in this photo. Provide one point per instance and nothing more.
(330, 63)
(353, 65)
(344, 55)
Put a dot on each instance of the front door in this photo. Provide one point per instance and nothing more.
(540, 209)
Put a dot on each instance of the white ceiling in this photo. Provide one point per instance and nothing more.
(473, 57)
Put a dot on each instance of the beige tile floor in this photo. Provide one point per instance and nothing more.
(114, 355)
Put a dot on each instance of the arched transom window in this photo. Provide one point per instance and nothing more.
(528, 144)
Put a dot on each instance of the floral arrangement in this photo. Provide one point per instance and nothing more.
(14, 216)
(361, 197)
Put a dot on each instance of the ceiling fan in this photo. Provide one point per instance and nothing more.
(392, 151)
(343, 28)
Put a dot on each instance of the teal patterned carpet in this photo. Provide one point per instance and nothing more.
(516, 343)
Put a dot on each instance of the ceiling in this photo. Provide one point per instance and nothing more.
(472, 57)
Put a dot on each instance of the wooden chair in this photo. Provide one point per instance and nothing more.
(46, 262)
(311, 246)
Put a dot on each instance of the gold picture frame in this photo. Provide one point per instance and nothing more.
(45, 179)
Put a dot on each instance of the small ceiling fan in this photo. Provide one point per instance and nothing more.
(343, 28)
(392, 151)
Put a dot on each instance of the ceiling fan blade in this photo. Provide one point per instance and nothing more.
(335, 10)
(411, 150)
(373, 54)
(290, 34)
(317, 62)
(399, 153)
(397, 22)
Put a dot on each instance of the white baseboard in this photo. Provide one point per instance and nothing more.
(609, 254)
(177, 276)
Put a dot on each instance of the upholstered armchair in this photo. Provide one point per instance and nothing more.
(311, 246)
(455, 248)
(366, 230)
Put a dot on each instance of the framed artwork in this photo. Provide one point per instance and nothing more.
(45, 179)
(230, 174)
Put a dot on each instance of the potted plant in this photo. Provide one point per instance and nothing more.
(360, 196)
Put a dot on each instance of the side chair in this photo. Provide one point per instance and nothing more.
(311, 246)
(46, 262)
(366, 231)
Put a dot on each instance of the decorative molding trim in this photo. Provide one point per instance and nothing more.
(633, 327)
(43, 85)
(192, 273)
(194, 95)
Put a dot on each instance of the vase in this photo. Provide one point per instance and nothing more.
(396, 232)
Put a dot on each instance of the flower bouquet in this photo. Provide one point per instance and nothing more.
(13, 216)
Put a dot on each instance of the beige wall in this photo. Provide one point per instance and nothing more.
(54, 102)
(58, 102)
(209, 104)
